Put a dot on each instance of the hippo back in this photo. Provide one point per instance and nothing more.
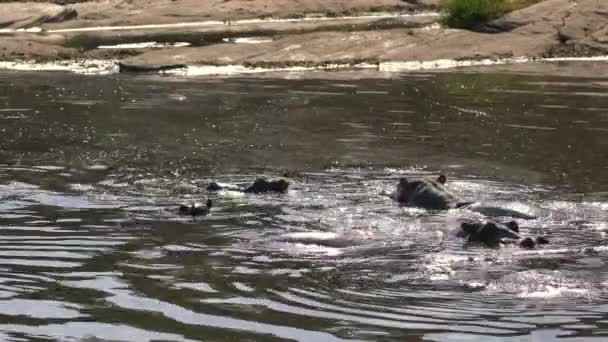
(498, 231)
(431, 194)
(490, 233)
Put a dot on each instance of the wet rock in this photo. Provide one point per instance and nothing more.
(124, 67)
(65, 15)
(498, 26)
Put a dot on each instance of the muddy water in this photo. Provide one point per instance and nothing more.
(92, 167)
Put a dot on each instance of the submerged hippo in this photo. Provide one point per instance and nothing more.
(261, 185)
(195, 209)
(431, 194)
(494, 234)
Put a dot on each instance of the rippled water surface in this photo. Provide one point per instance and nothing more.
(92, 169)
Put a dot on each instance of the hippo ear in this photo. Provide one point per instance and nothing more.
(442, 179)
(527, 243)
(513, 226)
(402, 181)
(541, 240)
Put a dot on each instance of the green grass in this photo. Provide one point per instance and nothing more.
(470, 13)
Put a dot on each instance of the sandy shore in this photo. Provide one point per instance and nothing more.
(289, 33)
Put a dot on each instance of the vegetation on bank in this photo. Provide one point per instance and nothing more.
(470, 13)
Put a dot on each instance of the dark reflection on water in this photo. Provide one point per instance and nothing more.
(91, 169)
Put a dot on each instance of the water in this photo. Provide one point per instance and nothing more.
(92, 169)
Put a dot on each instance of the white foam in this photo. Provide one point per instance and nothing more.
(100, 67)
(226, 70)
(87, 67)
(439, 64)
(552, 292)
(319, 236)
(144, 45)
(434, 26)
(446, 64)
(247, 40)
(28, 30)
(576, 59)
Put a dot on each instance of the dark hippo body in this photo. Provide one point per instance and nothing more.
(432, 194)
(494, 234)
(261, 185)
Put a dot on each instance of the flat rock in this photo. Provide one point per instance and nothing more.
(138, 12)
(23, 15)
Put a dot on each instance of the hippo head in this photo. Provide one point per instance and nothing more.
(406, 188)
(442, 179)
(279, 185)
(471, 228)
(403, 190)
(513, 226)
(491, 233)
(533, 243)
(262, 185)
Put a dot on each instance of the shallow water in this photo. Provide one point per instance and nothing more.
(92, 169)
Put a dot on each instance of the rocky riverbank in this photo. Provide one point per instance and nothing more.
(159, 34)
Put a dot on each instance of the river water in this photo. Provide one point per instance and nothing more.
(92, 169)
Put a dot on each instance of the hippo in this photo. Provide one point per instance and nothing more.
(493, 234)
(195, 209)
(426, 193)
(260, 185)
(431, 194)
